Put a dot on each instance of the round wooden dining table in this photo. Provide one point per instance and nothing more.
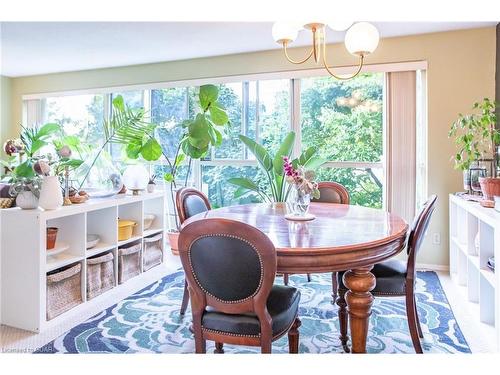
(340, 238)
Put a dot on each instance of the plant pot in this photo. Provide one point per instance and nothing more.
(490, 186)
(26, 200)
(51, 237)
(51, 193)
(173, 239)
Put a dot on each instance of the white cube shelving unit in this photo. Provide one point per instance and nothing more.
(468, 266)
(25, 262)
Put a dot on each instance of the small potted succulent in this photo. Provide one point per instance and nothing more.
(477, 139)
(26, 191)
(151, 184)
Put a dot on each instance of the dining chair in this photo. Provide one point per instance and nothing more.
(330, 192)
(230, 267)
(189, 202)
(395, 278)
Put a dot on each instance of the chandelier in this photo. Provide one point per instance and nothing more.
(361, 39)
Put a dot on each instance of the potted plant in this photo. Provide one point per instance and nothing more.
(26, 191)
(477, 139)
(201, 133)
(25, 169)
(152, 183)
(275, 189)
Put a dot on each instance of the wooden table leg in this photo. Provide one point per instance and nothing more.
(359, 300)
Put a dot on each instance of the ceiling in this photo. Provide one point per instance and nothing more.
(30, 48)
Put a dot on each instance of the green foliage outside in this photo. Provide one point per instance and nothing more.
(340, 133)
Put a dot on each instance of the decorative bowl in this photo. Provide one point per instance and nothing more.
(92, 240)
(125, 229)
(148, 220)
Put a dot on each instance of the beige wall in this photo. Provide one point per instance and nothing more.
(460, 71)
(5, 109)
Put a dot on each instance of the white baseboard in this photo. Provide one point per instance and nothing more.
(432, 267)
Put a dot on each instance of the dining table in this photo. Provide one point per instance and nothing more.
(337, 237)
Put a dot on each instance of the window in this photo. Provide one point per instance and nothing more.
(133, 99)
(344, 119)
(259, 110)
(79, 115)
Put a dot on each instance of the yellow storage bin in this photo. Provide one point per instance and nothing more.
(125, 229)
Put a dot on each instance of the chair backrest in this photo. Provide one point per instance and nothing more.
(229, 265)
(332, 192)
(190, 202)
(417, 233)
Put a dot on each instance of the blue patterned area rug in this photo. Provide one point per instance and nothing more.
(149, 322)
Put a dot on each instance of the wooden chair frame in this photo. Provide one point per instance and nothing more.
(180, 198)
(415, 238)
(254, 304)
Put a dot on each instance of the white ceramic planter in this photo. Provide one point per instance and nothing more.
(26, 200)
(51, 194)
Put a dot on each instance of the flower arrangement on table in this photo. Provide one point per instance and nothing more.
(301, 178)
(304, 186)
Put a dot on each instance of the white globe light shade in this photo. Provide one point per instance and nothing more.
(362, 38)
(339, 24)
(284, 31)
(136, 177)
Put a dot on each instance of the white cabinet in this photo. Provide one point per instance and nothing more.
(468, 257)
(25, 262)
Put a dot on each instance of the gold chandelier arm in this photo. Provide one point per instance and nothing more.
(329, 70)
(294, 61)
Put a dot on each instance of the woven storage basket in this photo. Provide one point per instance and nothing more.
(63, 290)
(100, 274)
(129, 262)
(153, 251)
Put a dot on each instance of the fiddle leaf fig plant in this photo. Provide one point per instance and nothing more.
(275, 190)
(476, 135)
(205, 130)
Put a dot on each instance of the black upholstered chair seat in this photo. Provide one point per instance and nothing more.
(282, 305)
(390, 275)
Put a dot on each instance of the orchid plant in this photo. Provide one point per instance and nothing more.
(302, 179)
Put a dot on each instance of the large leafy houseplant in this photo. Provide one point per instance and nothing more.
(129, 128)
(275, 189)
(477, 139)
(28, 160)
(476, 135)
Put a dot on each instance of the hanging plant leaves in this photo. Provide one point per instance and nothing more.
(151, 150)
(218, 115)
(25, 170)
(208, 95)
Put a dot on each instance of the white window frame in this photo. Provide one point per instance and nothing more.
(295, 122)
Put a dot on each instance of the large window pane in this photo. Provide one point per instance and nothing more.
(257, 109)
(219, 191)
(169, 107)
(343, 118)
(363, 184)
(231, 98)
(79, 115)
(273, 122)
(133, 99)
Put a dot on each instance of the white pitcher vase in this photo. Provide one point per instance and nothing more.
(51, 194)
